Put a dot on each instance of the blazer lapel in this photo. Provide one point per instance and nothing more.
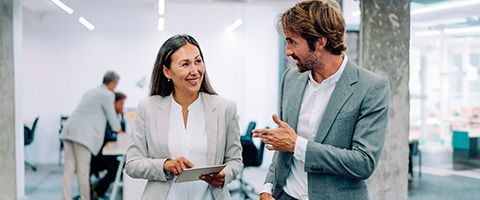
(211, 121)
(295, 99)
(163, 120)
(340, 95)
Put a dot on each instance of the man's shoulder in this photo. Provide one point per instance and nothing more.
(101, 91)
(366, 76)
(292, 74)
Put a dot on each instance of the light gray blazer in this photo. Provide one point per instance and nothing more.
(149, 148)
(87, 123)
(350, 137)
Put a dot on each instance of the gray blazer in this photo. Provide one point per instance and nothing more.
(149, 148)
(87, 123)
(349, 140)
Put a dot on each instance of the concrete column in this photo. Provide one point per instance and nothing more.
(11, 172)
(384, 49)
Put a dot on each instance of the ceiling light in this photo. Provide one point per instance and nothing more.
(444, 6)
(62, 6)
(356, 13)
(440, 22)
(467, 30)
(86, 23)
(234, 25)
(161, 7)
(427, 33)
(161, 24)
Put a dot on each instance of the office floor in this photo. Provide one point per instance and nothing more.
(441, 179)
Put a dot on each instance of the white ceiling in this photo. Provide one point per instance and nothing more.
(45, 6)
(460, 16)
(468, 15)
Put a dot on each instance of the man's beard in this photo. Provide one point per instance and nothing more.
(310, 62)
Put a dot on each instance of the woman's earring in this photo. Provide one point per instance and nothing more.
(168, 79)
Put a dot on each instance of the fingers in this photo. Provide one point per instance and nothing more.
(178, 168)
(185, 163)
(263, 133)
(178, 165)
(277, 120)
(188, 164)
(216, 180)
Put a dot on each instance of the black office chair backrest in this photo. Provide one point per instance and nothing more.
(252, 156)
(248, 132)
(28, 133)
(414, 148)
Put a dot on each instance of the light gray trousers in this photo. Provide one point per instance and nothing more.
(77, 158)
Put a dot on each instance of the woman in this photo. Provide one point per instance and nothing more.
(183, 124)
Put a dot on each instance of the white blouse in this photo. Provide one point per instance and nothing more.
(191, 143)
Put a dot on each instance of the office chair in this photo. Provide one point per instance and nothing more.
(252, 157)
(414, 151)
(63, 118)
(29, 136)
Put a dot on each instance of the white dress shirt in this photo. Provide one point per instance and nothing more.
(191, 143)
(315, 100)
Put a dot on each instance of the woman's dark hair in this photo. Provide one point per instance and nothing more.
(159, 82)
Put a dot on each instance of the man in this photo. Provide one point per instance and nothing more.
(334, 113)
(109, 163)
(83, 133)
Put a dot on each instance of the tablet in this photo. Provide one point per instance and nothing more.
(194, 174)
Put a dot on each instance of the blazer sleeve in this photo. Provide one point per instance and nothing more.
(138, 164)
(271, 169)
(367, 139)
(109, 110)
(233, 149)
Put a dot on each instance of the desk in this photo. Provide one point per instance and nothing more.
(118, 149)
(466, 143)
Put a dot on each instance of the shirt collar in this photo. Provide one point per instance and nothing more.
(175, 105)
(333, 79)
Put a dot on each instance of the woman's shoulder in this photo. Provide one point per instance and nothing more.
(218, 101)
(151, 100)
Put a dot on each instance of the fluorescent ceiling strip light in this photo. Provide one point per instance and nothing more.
(467, 30)
(427, 33)
(161, 24)
(86, 23)
(234, 25)
(356, 13)
(62, 6)
(440, 22)
(161, 7)
(444, 6)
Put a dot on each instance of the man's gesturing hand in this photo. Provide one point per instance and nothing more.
(282, 138)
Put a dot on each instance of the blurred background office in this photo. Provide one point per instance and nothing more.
(66, 45)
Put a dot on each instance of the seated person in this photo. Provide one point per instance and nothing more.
(109, 163)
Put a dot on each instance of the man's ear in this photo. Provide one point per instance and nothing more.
(321, 43)
(166, 71)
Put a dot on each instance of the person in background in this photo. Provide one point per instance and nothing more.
(110, 163)
(334, 114)
(84, 131)
(184, 124)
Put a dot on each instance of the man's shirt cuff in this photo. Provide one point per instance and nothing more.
(300, 148)
(267, 188)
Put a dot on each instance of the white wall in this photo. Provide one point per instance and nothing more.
(62, 59)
